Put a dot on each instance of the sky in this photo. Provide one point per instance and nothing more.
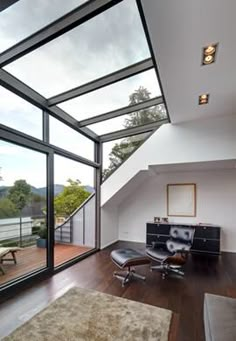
(21, 163)
(107, 43)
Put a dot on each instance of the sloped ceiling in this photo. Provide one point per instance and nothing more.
(178, 31)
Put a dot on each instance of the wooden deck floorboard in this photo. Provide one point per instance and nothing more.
(33, 258)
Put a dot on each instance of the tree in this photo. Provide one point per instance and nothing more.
(121, 151)
(7, 209)
(70, 198)
(20, 194)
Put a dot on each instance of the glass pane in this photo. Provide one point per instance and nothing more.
(116, 152)
(74, 207)
(98, 47)
(24, 18)
(23, 207)
(20, 114)
(111, 97)
(135, 119)
(67, 138)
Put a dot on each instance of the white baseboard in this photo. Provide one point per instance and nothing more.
(108, 244)
(132, 241)
(228, 250)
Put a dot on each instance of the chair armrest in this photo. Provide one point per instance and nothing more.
(156, 245)
(182, 251)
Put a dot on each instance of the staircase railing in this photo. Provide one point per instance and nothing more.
(75, 229)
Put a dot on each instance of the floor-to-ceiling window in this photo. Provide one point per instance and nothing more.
(23, 207)
(74, 207)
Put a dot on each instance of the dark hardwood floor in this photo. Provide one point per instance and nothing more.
(184, 296)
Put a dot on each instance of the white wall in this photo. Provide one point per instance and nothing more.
(216, 204)
(195, 141)
(109, 225)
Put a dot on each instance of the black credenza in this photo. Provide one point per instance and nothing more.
(206, 238)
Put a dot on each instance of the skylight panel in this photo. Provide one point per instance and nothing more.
(108, 42)
(25, 17)
(138, 118)
(111, 97)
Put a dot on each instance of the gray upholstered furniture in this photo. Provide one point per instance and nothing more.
(173, 255)
(127, 259)
(219, 318)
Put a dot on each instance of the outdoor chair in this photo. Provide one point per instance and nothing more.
(4, 251)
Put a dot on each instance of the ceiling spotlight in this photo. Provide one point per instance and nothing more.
(209, 54)
(209, 50)
(203, 99)
(208, 59)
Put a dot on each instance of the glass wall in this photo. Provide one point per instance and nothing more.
(23, 209)
(20, 114)
(74, 204)
(67, 138)
(31, 168)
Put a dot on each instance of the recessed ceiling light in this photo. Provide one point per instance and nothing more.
(209, 50)
(209, 54)
(208, 59)
(203, 99)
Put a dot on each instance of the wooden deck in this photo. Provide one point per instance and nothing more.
(33, 258)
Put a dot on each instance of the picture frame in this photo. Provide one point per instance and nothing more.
(181, 200)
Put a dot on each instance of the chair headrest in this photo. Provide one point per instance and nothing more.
(174, 246)
(182, 233)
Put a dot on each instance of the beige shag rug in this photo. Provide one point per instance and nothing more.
(88, 315)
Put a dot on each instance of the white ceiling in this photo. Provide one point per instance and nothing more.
(178, 31)
(193, 167)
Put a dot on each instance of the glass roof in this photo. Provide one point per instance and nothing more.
(25, 17)
(108, 42)
(138, 118)
(96, 48)
(111, 97)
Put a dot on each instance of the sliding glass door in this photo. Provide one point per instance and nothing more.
(23, 211)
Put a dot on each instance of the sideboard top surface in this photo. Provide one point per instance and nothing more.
(183, 224)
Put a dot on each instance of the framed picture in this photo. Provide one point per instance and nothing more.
(181, 200)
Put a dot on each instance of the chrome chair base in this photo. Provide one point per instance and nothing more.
(126, 276)
(167, 269)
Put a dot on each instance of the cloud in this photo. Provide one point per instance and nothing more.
(19, 114)
(26, 17)
(7, 150)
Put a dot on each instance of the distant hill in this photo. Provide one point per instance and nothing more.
(42, 190)
(3, 191)
(90, 189)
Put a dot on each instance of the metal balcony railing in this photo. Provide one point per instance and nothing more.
(79, 227)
